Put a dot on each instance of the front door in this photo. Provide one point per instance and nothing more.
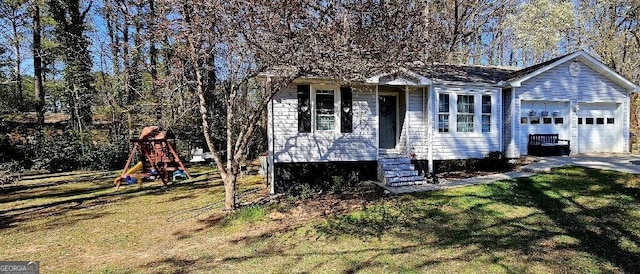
(387, 114)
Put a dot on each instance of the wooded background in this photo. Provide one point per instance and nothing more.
(194, 65)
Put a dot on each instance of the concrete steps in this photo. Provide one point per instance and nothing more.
(396, 170)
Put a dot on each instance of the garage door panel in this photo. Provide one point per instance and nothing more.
(543, 117)
(598, 129)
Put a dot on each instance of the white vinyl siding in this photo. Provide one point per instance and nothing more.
(511, 122)
(417, 142)
(557, 85)
(320, 145)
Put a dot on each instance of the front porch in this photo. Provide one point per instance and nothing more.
(402, 111)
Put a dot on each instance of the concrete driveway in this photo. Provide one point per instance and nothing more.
(618, 162)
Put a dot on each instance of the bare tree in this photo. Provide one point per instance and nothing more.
(237, 46)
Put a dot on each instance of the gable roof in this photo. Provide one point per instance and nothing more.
(464, 73)
(418, 73)
(421, 74)
(533, 68)
(515, 79)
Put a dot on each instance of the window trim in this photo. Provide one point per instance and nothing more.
(477, 114)
(486, 114)
(448, 113)
(336, 107)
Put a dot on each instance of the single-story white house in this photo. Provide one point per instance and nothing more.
(443, 112)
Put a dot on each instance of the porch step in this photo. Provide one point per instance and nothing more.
(400, 173)
(405, 160)
(404, 179)
(408, 183)
(396, 170)
(394, 166)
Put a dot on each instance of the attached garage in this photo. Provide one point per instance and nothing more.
(599, 127)
(575, 96)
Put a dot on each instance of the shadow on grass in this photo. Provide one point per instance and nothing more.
(172, 265)
(13, 216)
(549, 219)
(573, 202)
(58, 193)
(599, 230)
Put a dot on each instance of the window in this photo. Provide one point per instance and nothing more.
(325, 110)
(443, 116)
(304, 109)
(559, 120)
(524, 120)
(579, 121)
(589, 121)
(486, 113)
(535, 120)
(600, 121)
(470, 113)
(546, 120)
(610, 121)
(465, 113)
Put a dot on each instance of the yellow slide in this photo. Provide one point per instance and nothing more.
(132, 170)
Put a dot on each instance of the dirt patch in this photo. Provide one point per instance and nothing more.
(288, 211)
(517, 165)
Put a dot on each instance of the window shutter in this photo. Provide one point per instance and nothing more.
(304, 109)
(346, 110)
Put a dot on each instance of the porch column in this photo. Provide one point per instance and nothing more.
(430, 119)
(377, 119)
(270, 144)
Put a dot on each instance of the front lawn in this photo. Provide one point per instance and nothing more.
(572, 220)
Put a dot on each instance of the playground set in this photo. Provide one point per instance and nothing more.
(158, 159)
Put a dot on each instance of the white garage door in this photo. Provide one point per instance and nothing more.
(543, 117)
(598, 128)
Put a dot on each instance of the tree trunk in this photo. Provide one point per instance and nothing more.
(70, 29)
(37, 63)
(18, 62)
(126, 81)
(153, 52)
(226, 173)
(230, 191)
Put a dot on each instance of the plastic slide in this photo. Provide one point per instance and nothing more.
(132, 170)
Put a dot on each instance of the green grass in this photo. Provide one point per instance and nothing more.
(250, 214)
(573, 220)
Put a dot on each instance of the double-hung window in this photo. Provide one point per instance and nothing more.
(325, 110)
(443, 113)
(486, 113)
(465, 113)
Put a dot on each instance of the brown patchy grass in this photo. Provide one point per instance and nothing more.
(572, 220)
